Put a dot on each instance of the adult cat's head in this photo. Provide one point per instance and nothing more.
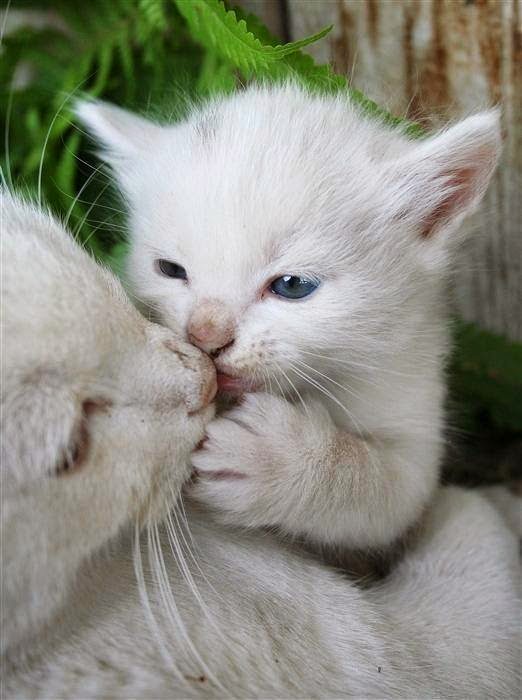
(278, 227)
(100, 410)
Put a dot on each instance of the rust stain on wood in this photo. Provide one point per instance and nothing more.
(490, 44)
(341, 48)
(434, 76)
(447, 58)
(516, 81)
(414, 109)
(372, 7)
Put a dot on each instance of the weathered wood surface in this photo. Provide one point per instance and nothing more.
(435, 60)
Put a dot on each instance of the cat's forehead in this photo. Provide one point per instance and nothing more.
(258, 168)
(58, 306)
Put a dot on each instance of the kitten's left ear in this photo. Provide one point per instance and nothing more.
(443, 178)
(124, 136)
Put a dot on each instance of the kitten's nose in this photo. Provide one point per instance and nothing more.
(211, 342)
(211, 329)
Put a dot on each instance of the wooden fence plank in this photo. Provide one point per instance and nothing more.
(433, 60)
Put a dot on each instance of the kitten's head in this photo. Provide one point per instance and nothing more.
(279, 227)
(100, 410)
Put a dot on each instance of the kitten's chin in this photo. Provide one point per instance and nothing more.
(235, 386)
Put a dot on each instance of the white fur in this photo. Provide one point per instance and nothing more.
(273, 181)
(79, 364)
(269, 622)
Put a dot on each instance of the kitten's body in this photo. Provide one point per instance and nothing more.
(274, 182)
(271, 622)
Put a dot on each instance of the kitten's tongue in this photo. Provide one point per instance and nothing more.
(230, 385)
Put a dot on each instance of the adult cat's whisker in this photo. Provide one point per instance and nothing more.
(9, 179)
(178, 554)
(78, 227)
(192, 546)
(170, 607)
(76, 199)
(111, 226)
(145, 599)
(102, 172)
(68, 96)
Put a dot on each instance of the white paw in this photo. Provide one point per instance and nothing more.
(256, 458)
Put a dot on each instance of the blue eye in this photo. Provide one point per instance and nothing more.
(293, 287)
(171, 269)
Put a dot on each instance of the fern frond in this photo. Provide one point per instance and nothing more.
(217, 28)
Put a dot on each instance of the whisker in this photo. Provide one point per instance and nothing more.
(7, 128)
(192, 547)
(279, 384)
(145, 601)
(47, 136)
(170, 605)
(328, 394)
(285, 375)
(4, 23)
(354, 364)
(76, 199)
(325, 376)
(79, 226)
(181, 561)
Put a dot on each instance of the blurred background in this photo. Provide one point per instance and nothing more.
(425, 61)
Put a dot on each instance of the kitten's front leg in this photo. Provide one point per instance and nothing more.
(271, 463)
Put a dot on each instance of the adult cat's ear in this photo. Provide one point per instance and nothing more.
(443, 178)
(123, 135)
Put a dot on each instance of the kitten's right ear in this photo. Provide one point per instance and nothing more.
(123, 135)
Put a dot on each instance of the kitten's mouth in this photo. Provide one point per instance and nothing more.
(235, 386)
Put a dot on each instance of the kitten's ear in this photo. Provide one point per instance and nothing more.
(444, 177)
(123, 135)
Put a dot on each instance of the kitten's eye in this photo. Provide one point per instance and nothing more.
(171, 269)
(293, 287)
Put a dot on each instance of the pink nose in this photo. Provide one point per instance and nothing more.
(210, 338)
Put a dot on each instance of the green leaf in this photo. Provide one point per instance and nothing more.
(486, 378)
(216, 28)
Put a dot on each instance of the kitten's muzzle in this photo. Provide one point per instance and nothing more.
(211, 328)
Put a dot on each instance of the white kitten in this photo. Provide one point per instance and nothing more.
(269, 623)
(305, 247)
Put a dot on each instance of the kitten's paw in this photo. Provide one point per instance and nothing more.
(254, 463)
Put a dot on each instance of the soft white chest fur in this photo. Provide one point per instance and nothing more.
(275, 625)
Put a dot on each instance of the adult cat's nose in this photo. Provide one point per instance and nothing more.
(211, 328)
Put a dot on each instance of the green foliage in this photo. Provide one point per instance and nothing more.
(486, 376)
(159, 52)
(218, 29)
